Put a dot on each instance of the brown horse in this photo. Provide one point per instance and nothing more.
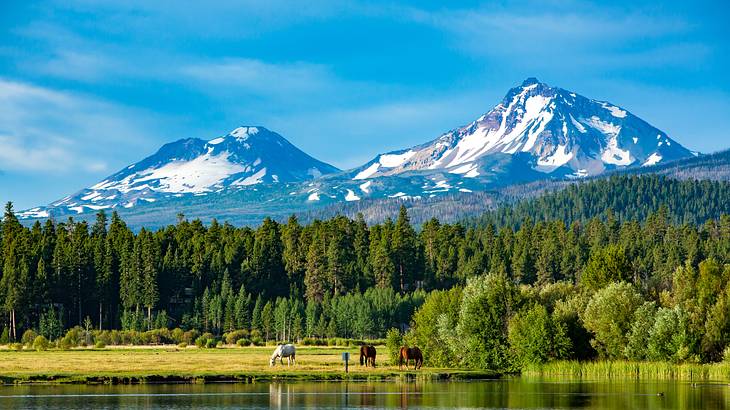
(367, 355)
(410, 353)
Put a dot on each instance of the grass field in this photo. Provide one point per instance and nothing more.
(172, 364)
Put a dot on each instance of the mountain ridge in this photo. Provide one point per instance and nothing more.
(536, 132)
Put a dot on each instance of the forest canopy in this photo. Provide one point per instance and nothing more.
(644, 288)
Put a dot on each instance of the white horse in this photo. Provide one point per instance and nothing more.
(282, 351)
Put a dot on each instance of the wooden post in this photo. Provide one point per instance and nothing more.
(346, 359)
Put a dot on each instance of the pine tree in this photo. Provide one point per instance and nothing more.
(405, 250)
(267, 319)
(256, 320)
(100, 262)
(294, 253)
(315, 279)
(242, 309)
(10, 284)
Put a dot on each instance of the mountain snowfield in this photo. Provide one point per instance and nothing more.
(536, 132)
(564, 134)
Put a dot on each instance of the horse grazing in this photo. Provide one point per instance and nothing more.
(367, 355)
(282, 351)
(410, 353)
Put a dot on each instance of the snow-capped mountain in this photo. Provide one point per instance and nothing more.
(555, 131)
(245, 157)
(536, 132)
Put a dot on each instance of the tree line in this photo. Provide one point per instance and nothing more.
(339, 277)
(626, 197)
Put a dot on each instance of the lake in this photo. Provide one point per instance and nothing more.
(510, 393)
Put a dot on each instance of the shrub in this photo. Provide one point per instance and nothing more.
(177, 335)
(609, 316)
(104, 336)
(200, 341)
(433, 326)
(182, 345)
(480, 337)
(99, 344)
(219, 344)
(190, 336)
(393, 341)
(50, 324)
(74, 335)
(40, 343)
(232, 337)
(65, 343)
(131, 337)
(210, 343)
(638, 337)
(257, 341)
(243, 342)
(28, 337)
(115, 338)
(536, 338)
(16, 346)
(5, 336)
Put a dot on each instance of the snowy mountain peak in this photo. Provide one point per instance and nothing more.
(548, 129)
(246, 156)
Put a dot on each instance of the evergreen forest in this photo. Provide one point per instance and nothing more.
(541, 281)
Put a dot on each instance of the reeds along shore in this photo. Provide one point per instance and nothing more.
(632, 370)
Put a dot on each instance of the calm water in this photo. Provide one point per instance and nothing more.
(513, 393)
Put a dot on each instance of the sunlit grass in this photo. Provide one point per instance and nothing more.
(632, 370)
(190, 363)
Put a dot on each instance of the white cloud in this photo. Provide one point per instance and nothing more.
(42, 129)
(16, 154)
(545, 37)
(261, 77)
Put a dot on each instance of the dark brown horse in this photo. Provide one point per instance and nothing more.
(367, 355)
(410, 353)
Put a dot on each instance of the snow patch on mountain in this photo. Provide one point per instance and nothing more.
(560, 157)
(615, 155)
(200, 174)
(653, 160)
(368, 172)
(365, 187)
(351, 196)
(253, 179)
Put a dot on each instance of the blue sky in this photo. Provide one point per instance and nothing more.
(87, 87)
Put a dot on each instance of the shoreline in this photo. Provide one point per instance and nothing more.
(245, 378)
(171, 365)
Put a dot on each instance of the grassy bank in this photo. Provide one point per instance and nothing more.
(193, 365)
(632, 370)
